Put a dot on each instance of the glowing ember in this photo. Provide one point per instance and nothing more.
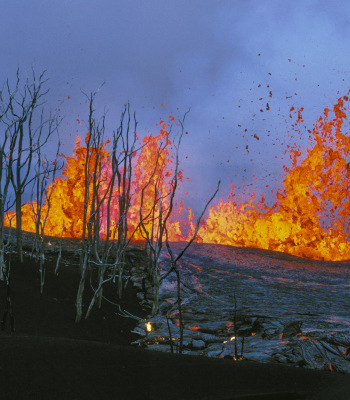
(148, 326)
(230, 340)
(193, 328)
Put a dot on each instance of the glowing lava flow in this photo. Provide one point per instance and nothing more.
(310, 217)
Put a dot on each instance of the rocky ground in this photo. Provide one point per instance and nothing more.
(50, 357)
(288, 310)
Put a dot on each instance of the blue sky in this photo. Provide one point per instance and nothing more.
(221, 58)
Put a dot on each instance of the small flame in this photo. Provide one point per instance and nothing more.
(49, 244)
(148, 326)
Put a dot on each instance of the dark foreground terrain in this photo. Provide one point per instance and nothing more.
(50, 357)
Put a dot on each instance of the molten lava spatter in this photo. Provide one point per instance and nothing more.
(309, 218)
(152, 167)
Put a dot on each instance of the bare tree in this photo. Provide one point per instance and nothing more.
(174, 260)
(153, 224)
(153, 220)
(107, 198)
(122, 169)
(45, 171)
(60, 250)
(7, 147)
(102, 192)
(158, 233)
(91, 220)
(115, 203)
(21, 119)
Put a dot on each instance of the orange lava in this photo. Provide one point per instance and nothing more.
(193, 328)
(309, 217)
(67, 200)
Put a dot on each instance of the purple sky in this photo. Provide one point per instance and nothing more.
(217, 57)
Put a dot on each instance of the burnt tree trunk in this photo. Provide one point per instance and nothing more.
(19, 225)
(79, 300)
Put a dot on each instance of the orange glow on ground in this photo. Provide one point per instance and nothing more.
(193, 328)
